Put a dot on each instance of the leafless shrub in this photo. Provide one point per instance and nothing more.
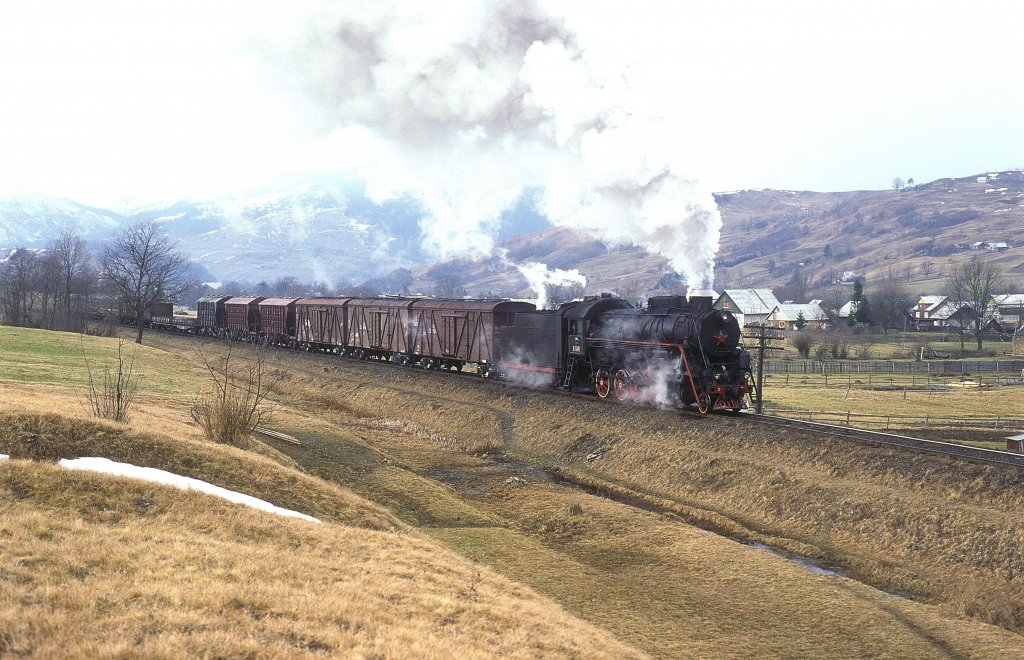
(803, 342)
(236, 402)
(574, 508)
(111, 396)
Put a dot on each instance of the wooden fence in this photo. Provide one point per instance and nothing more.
(864, 420)
(938, 367)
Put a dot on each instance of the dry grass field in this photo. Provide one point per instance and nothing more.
(97, 566)
(927, 552)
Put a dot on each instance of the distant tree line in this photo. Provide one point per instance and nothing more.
(49, 288)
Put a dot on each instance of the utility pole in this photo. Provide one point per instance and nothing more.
(763, 335)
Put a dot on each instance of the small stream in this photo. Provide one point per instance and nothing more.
(554, 476)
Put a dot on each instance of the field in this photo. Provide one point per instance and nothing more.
(619, 527)
(975, 406)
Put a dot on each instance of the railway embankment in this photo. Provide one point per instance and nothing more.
(678, 535)
(950, 533)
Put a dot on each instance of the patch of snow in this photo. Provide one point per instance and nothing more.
(107, 466)
(988, 190)
(4, 457)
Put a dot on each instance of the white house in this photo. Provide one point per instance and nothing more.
(785, 315)
(749, 306)
(940, 312)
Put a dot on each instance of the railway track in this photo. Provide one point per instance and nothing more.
(862, 436)
(865, 436)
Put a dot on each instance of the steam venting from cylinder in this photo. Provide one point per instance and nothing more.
(465, 104)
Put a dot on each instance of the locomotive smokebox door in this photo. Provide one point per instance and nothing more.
(577, 345)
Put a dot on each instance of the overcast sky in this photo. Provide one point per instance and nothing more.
(104, 102)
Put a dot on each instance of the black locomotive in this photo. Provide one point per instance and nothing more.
(674, 352)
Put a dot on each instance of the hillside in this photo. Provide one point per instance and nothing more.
(330, 231)
(767, 234)
(473, 519)
(100, 566)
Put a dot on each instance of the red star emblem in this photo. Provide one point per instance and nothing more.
(721, 338)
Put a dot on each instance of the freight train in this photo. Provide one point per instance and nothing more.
(675, 352)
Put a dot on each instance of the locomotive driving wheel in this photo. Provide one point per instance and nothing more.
(623, 388)
(704, 403)
(602, 383)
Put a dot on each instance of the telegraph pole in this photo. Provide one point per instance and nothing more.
(763, 335)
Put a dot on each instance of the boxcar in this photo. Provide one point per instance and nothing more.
(321, 324)
(277, 319)
(210, 315)
(452, 333)
(242, 316)
(378, 327)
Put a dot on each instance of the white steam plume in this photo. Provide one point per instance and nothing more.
(468, 102)
(540, 277)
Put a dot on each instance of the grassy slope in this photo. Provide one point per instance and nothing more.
(661, 585)
(93, 565)
(950, 532)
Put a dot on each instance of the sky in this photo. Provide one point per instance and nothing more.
(119, 103)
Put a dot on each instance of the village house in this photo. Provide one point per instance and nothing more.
(991, 246)
(933, 312)
(1009, 310)
(786, 315)
(749, 306)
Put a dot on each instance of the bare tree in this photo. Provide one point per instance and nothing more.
(889, 300)
(560, 293)
(973, 282)
(143, 267)
(71, 260)
(796, 287)
(19, 280)
(449, 285)
(898, 183)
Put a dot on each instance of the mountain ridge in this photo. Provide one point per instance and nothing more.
(332, 232)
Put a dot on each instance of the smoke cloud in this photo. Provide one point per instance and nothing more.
(539, 276)
(467, 103)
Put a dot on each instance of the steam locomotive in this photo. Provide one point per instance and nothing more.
(674, 352)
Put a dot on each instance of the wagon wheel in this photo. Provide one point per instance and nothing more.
(602, 383)
(623, 387)
(704, 403)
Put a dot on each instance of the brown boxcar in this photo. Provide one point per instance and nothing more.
(210, 314)
(378, 327)
(321, 323)
(242, 315)
(277, 319)
(451, 333)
